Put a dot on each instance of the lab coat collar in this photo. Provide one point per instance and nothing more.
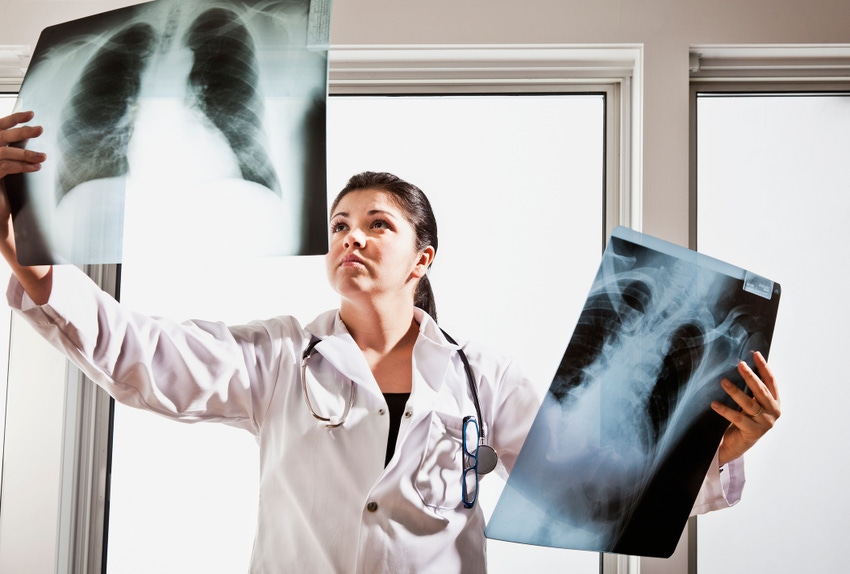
(431, 353)
(337, 346)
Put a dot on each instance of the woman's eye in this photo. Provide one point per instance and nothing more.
(380, 224)
(337, 227)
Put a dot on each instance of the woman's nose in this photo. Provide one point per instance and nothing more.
(355, 238)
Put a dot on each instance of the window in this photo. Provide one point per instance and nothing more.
(772, 193)
(517, 186)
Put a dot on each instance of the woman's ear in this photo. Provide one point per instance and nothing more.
(423, 262)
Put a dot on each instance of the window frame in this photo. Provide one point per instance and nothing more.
(758, 70)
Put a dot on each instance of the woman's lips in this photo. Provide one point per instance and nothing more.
(351, 260)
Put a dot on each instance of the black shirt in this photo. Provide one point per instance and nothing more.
(396, 403)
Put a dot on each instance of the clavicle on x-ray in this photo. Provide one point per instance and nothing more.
(203, 121)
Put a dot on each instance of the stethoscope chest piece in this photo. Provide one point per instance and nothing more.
(487, 458)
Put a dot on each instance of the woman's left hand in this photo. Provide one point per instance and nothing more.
(758, 413)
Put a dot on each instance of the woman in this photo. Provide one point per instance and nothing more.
(361, 445)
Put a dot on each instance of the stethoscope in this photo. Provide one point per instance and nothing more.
(487, 457)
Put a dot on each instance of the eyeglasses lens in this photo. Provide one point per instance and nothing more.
(470, 461)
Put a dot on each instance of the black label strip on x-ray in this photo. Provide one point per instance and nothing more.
(758, 285)
(319, 25)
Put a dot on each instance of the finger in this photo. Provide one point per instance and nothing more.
(766, 374)
(12, 120)
(749, 405)
(8, 153)
(23, 133)
(761, 394)
(738, 418)
(10, 166)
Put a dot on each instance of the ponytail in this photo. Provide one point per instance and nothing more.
(424, 297)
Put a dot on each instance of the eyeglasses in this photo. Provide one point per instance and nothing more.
(470, 461)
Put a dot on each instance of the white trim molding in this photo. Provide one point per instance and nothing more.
(771, 63)
(470, 65)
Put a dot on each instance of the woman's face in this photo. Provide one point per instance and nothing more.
(373, 247)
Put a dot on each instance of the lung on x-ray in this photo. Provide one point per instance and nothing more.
(203, 121)
(623, 440)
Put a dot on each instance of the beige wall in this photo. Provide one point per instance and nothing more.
(666, 28)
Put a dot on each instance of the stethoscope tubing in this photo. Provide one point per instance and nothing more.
(330, 422)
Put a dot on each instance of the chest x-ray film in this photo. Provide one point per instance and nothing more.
(623, 440)
(202, 121)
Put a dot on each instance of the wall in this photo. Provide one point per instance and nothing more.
(665, 27)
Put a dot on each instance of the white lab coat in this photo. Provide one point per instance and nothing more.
(327, 504)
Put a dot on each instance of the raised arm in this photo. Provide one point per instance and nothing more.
(36, 280)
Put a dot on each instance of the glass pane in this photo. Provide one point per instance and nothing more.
(517, 186)
(774, 197)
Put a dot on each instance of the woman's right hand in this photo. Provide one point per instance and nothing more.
(37, 280)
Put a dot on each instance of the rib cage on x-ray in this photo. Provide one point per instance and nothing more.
(603, 325)
(222, 82)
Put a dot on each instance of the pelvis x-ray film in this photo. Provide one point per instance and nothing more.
(623, 440)
(184, 126)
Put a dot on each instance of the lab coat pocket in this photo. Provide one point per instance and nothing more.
(438, 479)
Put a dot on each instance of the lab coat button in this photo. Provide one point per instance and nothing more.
(372, 506)
(381, 412)
(408, 414)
